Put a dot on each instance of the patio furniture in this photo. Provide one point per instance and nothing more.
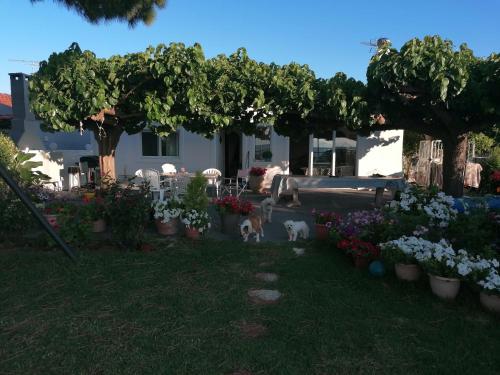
(213, 177)
(152, 176)
(238, 184)
(180, 184)
(168, 168)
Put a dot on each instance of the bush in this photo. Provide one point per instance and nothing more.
(128, 211)
(196, 197)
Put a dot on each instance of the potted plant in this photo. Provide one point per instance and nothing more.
(230, 208)
(445, 268)
(402, 253)
(195, 217)
(95, 212)
(196, 222)
(486, 276)
(362, 252)
(53, 211)
(267, 155)
(323, 222)
(256, 179)
(166, 214)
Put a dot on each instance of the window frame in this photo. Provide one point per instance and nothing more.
(270, 144)
(159, 146)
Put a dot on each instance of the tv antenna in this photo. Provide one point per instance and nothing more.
(377, 44)
(33, 63)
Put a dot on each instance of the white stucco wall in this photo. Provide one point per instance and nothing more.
(380, 153)
(196, 153)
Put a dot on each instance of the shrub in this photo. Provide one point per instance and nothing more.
(233, 205)
(128, 211)
(196, 197)
(257, 171)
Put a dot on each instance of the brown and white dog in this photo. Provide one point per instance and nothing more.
(252, 225)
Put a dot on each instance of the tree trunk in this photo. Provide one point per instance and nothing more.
(107, 141)
(454, 163)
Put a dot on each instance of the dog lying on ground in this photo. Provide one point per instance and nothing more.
(266, 209)
(252, 225)
(296, 229)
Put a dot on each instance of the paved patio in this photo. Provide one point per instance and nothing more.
(338, 200)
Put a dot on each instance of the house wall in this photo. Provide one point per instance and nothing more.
(196, 153)
(380, 153)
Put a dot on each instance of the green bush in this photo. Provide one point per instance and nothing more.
(196, 197)
(128, 211)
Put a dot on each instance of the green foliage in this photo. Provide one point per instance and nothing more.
(482, 143)
(475, 232)
(128, 211)
(196, 197)
(130, 11)
(489, 166)
(15, 219)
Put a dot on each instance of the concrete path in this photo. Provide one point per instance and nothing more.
(338, 200)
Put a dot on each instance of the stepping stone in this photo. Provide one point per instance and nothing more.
(264, 296)
(252, 330)
(266, 276)
(299, 251)
(266, 264)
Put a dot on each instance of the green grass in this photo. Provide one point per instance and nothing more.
(177, 310)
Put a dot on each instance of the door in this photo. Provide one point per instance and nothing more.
(232, 153)
(299, 155)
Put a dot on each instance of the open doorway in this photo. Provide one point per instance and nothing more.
(232, 153)
(299, 155)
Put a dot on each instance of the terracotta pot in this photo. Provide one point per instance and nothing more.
(444, 287)
(167, 229)
(407, 272)
(321, 232)
(192, 233)
(230, 224)
(490, 301)
(361, 262)
(99, 226)
(256, 184)
(52, 219)
(88, 195)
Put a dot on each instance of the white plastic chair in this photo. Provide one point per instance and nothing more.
(152, 176)
(213, 177)
(169, 168)
(239, 183)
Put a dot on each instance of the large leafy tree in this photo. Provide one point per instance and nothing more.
(131, 11)
(160, 88)
(430, 87)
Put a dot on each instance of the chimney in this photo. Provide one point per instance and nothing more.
(20, 97)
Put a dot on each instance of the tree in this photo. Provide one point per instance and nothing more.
(131, 11)
(160, 88)
(430, 87)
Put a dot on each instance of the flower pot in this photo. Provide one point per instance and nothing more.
(99, 226)
(88, 196)
(407, 272)
(167, 229)
(490, 301)
(192, 233)
(361, 262)
(321, 232)
(256, 184)
(444, 287)
(52, 220)
(230, 223)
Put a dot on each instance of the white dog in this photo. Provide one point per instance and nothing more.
(266, 209)
(296, 229)
(252, 225)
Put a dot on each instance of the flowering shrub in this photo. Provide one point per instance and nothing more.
(437, 206)
(194, 219)
(167, 210)
(360, 224)
(233, 205)
(491, 282)
(495, 176)
(359, 248)
(94, 209)
(324, 217)
(257, 171)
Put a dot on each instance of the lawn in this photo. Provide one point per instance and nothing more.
(181, 309)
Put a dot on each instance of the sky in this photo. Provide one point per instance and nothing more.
(325, 34)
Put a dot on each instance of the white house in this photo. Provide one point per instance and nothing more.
(337, 153)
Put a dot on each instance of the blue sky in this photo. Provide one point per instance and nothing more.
(326, 34)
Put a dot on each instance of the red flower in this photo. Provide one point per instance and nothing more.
(257, 171)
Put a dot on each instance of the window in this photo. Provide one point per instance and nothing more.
(153, 145)
(263, 144)
(322, 148)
